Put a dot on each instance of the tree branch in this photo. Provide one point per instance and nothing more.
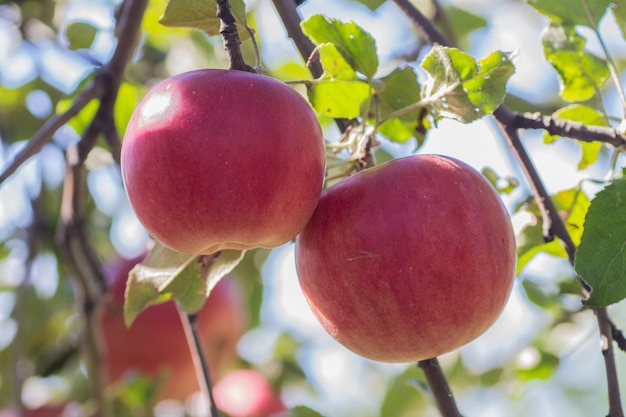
(618, 336)
(203, 374)
(569, 129)
(194, 340)
(230, 35)
(288, 12)
(439, 387)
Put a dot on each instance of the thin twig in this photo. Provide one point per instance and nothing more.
(203, 374)
(606, 338)
(83, 294)
(552, 223)
(439, 387)
(427, 31)
(618, 337)
(288, 12)
(609, 59)
(569, 129)
(230, 35)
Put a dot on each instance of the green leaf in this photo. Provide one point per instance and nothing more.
(339, 92)
(166, 274)
(503, 185)
(619, 12)
(539, 296)
(80, 35)
(580, 73)
(542, 370)
(371, 4)
(334, 64)
(338, 98)
(463, 22)
(572, 12)
(572, 206)
(531, 243)
(589, 117)
(202, 15)
(4, 251)
(601, 255)
(400, 89)
(406, 394)
(302, 411)
(127, 98)
(83, 119)
(461, 88)
(356, 46)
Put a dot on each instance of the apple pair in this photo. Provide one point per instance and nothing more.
(400, 262)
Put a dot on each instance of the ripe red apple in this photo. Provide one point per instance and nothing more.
(216, 159)
(408, 260)
(156, 341)
(247, 393)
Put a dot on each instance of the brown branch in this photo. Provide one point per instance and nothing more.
(230, 35)
(289, 15)
(70, 248)
(569, 129)
(553, 224)
(288, 12)
(194, 340)
(618, 337)
(196, 346)
(606, 345)
(427, 31)
(439, 387)
(72, 236)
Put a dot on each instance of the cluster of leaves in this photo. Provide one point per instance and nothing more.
(396, 104)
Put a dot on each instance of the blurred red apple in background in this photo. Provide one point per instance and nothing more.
(217, 159)
(408, 260)
(247, 393)
(156, 340)
(44, 411)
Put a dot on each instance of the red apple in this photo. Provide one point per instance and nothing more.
(408, 260)
(156, 341)
(216, 159)
(247, 393)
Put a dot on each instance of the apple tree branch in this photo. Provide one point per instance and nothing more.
(230, 35)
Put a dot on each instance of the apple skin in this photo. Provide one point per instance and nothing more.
(247, 393)
(408, 260)
(222, 159)
(156, 341)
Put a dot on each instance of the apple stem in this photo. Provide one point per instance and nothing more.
(230, 35)
(194, 339)
(439, 387)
